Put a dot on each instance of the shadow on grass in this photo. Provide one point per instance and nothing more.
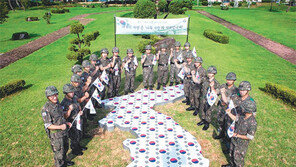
(18, 90)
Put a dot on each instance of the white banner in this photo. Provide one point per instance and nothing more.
(151, 26)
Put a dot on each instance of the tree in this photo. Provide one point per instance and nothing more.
(3, 12)
(47, 17)
(163, 6)
(79, 46)
(25, 4)
(144, 9)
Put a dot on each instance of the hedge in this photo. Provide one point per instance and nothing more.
(216, 36)
(11, 87)
(60, 11)
(32, 19)
(205, 3)
(279, 91)
(20, 35)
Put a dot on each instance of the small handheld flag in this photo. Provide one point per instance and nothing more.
(99, 84)
(154, 60)
(211, 97)
(97, 96)
(230, 105)
(90, 106)
(104, 77)
(194, 52)
(116, 69)
(197, 77)
(182, 73)
(230, 130)
(135, 61)
(180, 58)
(78, 123)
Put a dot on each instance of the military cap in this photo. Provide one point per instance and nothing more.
(212, 70)
(86, 64)
(163, 46)
(148, 47)
(248, 106)
(198, 60)
(231, 76)
(93, 57)
(245, 85)
(68, 88)
(189, 56)
(177, 44)
(115, 49)
(187, 44)
(51, 90)
(76, 78)
(129, 51)
(104, 50)
(76, 68)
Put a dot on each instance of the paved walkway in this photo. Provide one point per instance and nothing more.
(283, 51)
(26, 49)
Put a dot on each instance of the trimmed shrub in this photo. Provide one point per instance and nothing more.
(177, 7)
(205, 3)
(32, 19)
(142, 45)
(279, 91)
(104, 5)
(11, 87)
(58, 11)
(188, 4)
(217, 3)
(163, 5)
(216, 36)
(224, 7)
(20, 35)
(144, 9)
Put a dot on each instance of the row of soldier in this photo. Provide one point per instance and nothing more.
(198, 84)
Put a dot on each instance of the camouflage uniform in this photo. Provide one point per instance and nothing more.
(116, 76)
(196, 87)
(247, 127)
(85, 74)
(185, 52)
(163, 69)
(94, 57)
(104, 63)
(187, 79)
(74, 134)
(52, 114)
(174, 71)
(148, 74)
(129, 85)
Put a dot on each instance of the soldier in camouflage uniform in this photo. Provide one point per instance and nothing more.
(77, 69)
(227, 91)
(56, 127)
(186, 50)
(72, 109)
(86, 75)
(147, 64)
(116, 71)
(188, 67)
(243, 95)
(163, 66)
(105, 64)
(244, 131)
(130, 64)
(95, 67)
(205, 109)
(174, 71)
(198, 75)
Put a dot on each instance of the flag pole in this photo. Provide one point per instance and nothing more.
(115, 29)
(188, 28)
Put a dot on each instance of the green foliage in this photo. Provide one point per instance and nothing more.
(224, 7)
(281, 92)
(60, 11)
(20, 35)
(11, 87)
(217, 3)
(47, 17)
(144, 9)
(163, 6)
(216, 36)
(3, 12)
(104, 5)
(188, 4)
(205, 3)
(177, 7)
(25, 3)
(32, 19)
(78, 48)
(153, 39)
(45, 2)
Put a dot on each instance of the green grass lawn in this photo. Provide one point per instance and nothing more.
(277, 26)
(23, 140)
(16, 23)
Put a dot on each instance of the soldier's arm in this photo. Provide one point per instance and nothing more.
(48, 122)
(233, 117)
(68, 112)
(113, 62)
(251, 132)
(56, 127)
(143, 59)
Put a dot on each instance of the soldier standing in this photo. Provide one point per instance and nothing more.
(77, 69)
(105, 64)
(147, 64)
(116, 71)
(72, 109)
(163, 66)
(95, 72)
(174, 71)
(227, 91)
(56, 127)
(186, 50)
(205, 109)
(245, 129)
(86, 75)
(130, 63)
(198, 75)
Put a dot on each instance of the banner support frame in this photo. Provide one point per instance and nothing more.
(115, 30)
(188, 28)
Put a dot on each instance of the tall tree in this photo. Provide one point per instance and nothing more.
(3, 12)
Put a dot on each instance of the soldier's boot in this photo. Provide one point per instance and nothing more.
(207, 125)
(171, 83)
(158, 86)
(221, 134)
(77, 152)
(186, 99)
(191, 108)
(125, 92)
(82, 148)
(201, 122)
(150, 87)
(70, 163)
(188, 102)
(132, 91)
(146, 87)
(177, 83)
(228, 165)
(195, 112)
(163, 86)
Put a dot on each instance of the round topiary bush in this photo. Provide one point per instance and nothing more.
(20, 35)
(163, 5)
(144, 9)
(216, 36)
(188, 4)
(176, 7)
